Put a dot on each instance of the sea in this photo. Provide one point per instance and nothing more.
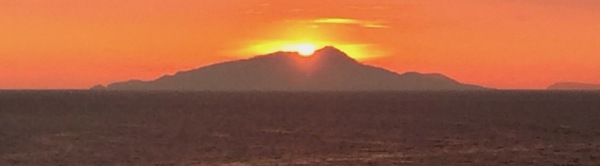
(81, 127)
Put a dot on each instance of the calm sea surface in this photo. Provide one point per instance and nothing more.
(303, 128)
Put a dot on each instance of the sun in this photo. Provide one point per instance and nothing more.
(307, 47)
(304, 49)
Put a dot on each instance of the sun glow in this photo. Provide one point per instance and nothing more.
(307, 36)
(304, 49)
(357, 51)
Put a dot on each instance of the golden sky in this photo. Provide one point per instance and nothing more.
(512, 44)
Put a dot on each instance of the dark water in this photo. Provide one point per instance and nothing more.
(333, 128)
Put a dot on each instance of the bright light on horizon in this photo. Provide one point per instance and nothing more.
(303, 37)
(304, 49)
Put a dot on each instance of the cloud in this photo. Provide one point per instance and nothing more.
(349, 21)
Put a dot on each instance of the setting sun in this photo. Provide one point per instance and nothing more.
(305, 49)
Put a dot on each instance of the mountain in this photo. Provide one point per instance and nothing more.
(328, 69)
(573, 86)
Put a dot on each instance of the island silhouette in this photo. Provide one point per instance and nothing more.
(328, 69)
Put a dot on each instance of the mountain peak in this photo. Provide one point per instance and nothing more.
(332, 54)
(329, 49)
(325, 55)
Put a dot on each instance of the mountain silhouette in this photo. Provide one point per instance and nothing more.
(573, 86)
(328, 69)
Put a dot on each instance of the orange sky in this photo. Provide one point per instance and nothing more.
(511, 44)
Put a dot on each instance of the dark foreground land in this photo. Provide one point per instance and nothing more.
(410, 128)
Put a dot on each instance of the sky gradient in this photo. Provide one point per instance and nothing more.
(512, 44)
